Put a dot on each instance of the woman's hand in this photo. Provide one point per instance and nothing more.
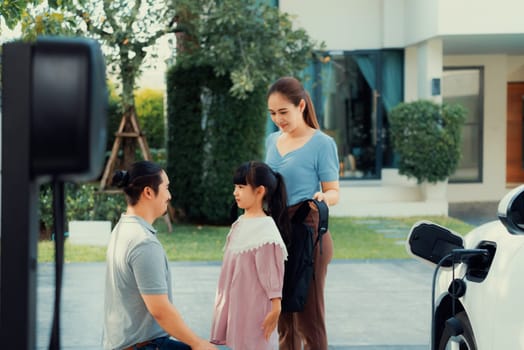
(320, 196)
(329, 193)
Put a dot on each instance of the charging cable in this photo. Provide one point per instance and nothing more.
(459, 255)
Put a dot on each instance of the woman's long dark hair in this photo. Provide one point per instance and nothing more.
(133, 181)
(256, 174)
(293, 90)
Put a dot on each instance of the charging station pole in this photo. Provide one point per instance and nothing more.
(19, 227)
(54, 108)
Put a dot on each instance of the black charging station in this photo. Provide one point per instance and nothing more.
(54, 110)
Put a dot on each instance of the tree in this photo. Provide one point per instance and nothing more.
(228, 54)
(247, 41)
(127, 29)
(11, 11)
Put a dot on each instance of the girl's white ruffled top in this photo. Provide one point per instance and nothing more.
(252, 233)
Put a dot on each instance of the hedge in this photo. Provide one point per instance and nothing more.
(210, 133)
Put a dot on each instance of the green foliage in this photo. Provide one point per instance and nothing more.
(185, 141)
(11, 11)
(159, 156)
(82, 202)
(126, 29)
(108, 206)
(427, 138)
(150, 113)
(245, 41)
(45, 208)
(234, 133)
(210, 134)
(230, 52)
(48, 23)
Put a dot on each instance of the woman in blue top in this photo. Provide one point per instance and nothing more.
(308, 160)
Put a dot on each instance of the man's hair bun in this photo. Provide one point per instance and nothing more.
(120, 178)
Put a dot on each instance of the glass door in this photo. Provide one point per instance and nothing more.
(351, 112)
(353, 93)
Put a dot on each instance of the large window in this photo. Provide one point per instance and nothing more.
(349, 112)
(352, 93)
(465, 85)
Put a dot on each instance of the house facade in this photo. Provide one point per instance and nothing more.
(378, 53)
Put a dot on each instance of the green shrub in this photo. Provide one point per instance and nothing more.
(210, 134)
(216, 96)
(150, 114)
(427, 138)
(185, 140)
(234, 133)
(108, 206)
(159, 156)
(82, 202)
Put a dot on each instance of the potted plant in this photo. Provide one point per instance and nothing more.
(426, 137)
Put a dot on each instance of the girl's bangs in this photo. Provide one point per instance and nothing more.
(240, 176)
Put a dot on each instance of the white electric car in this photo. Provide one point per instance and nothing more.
(478, 284)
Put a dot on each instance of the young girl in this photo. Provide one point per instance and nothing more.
(247, 305)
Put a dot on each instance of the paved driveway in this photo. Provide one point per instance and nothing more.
(371, 305)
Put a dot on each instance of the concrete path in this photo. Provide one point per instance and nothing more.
(371, 305)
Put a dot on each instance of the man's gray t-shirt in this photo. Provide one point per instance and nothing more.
(136, 264)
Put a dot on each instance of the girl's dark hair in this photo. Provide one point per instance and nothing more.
(293, 90)
(133, 181)
(275, 200)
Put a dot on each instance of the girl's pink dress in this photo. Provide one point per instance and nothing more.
(252, 274)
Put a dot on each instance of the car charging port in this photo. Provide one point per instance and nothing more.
(462, 255)
(479, 265)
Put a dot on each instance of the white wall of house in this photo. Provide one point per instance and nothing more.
(429, 66)
(422, 63)
(373, 24)
(421, 21)
(410, 74)
(349, 24)
(483, 16)
(393, 19)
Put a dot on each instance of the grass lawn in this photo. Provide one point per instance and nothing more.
(354, 238)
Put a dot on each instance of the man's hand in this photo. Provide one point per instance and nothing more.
(171, 321)
(204, 345)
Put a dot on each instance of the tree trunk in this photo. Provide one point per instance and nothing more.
(128, 100)
(128, 143)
